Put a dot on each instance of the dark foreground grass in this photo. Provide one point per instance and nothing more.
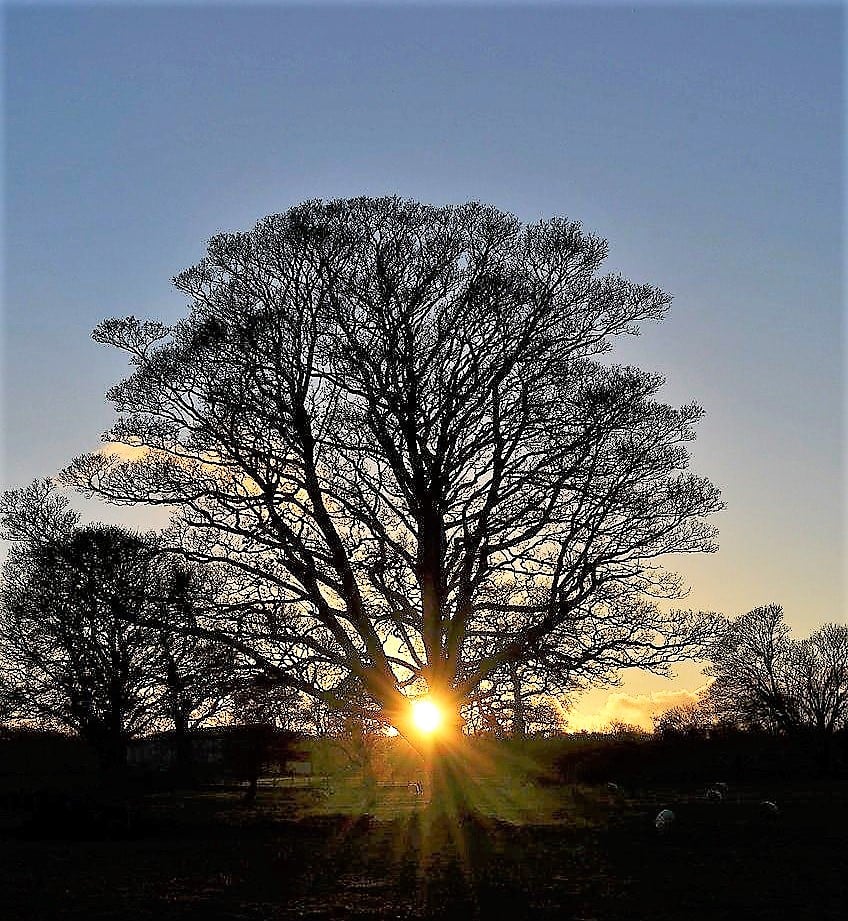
(590, 854)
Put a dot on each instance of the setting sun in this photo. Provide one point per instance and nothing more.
(426, 715)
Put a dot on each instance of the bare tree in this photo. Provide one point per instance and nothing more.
(765, 679)
(197, 678)
(695, 719)
(393, 425)
(821, 677)
(751, 663)
(516, 702)
(76, 651)
(71, 658)
(260, 700)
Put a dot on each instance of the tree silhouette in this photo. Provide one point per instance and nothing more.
(70, 659)
(197, 678)
(394, 427)
(76, 650)
(766, 679)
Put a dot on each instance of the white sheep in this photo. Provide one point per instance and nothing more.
(664, 820)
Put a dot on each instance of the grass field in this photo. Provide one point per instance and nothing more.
(329, 849)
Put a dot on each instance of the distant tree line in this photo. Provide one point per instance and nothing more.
(101, 635)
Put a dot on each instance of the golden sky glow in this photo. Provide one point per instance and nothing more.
(598, 708)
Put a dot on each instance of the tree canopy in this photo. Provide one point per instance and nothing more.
(396, 428)
(766, 679)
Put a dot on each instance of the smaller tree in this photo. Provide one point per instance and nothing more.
(87, 629)
(820, 677)
(517, 703)
(751, 662)
(70, 660)
(765, 679)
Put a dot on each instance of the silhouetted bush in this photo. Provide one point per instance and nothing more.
(52, 783)
(32, 759)
(231, 754)
(735, 755)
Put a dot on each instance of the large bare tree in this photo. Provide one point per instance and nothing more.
(396, 427)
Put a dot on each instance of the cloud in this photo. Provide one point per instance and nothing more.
(636, 709)
(124, 451)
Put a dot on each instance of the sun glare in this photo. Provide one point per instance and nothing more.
(426, 715)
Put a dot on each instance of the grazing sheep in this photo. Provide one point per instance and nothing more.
(664, 820)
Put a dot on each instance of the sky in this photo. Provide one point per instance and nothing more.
(704, 142)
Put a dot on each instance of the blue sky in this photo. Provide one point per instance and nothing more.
(704, 142)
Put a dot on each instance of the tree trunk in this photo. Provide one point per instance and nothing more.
(519, 721)
(183, 755)
(110, 748)
(253, 761)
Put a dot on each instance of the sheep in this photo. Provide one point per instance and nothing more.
(665, 820)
